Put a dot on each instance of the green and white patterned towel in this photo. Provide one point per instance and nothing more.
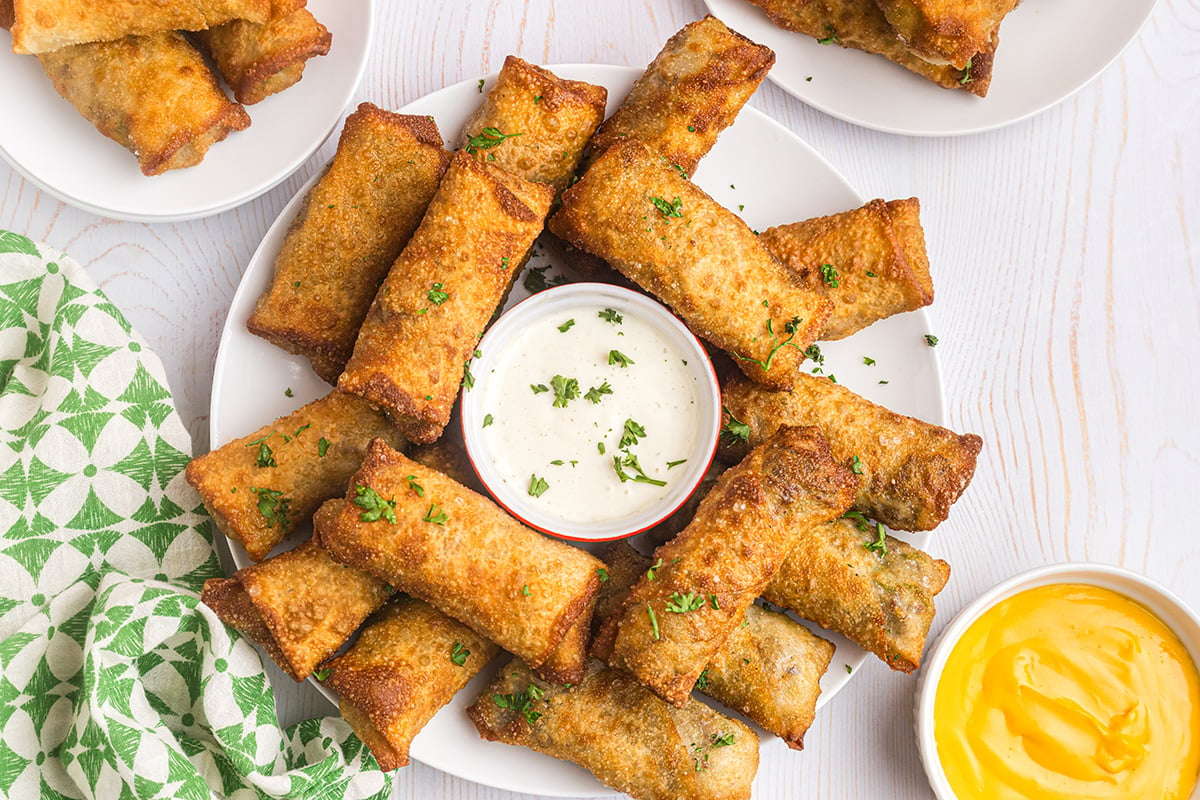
(115, 682)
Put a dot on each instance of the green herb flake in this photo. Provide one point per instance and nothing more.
(468, 380)
(712, 601)
(414, 486)
(673, 464)
(652, 573)
(535, 280)
(619, 358)
(931, 340)
(879, 546)
(595, 393)
(856, 465)
(632, 433)
(525, 590)
(373, 505)
(611, 315)
(791, 327)
(538, 388)
(288, 392)
(490, 137)
(870, 362)
(566, 326)
(966, 76)
(829, 274)
(265, 457)
(602, 574)
(871, 274)
(436, 295)
(630, 460)
(668, 210)
(683, 603)
(537, 98)
(723, 740)
(480, 87)
(600, 448)
(734, 430)
(832, 38)
(565, 390)
(521, 703)
(322, 674)
(849, 670)
(435, 515)
(488, 419)
(653, 622)
(273, 505)
(458, 654)
(322, 447)
(702, 681)
(537, 486)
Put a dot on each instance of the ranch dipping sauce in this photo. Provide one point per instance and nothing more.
(593, 412)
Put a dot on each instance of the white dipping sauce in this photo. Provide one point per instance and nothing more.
(529, 436)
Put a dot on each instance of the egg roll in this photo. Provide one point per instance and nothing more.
(946, 31)
(351, 227)
(673, 240)
(301, 606)
(877, 591)
(610, 725)
(672, 624)
(153, 95)
(441, 292)
(42, 26)
(860, 24)
(769, 668)
(911, 472)
(871, 262)
(461, 553)
(261, 487)
(692, 91)
(535, 124)
(408, 662)
(258, 60)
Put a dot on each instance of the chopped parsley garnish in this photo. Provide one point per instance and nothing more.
(633, 432)
(566, 326)
(490, 137)
(435, 515)
(673, 464)
(558, 462)
(611, 315)
(537, 486)
(273, 505)
(723, 740)
(459, 654)
(683, 603)
(538, 388)
(813, 352)
(668, 210)
(966, 76)
(487, 420)
(521, 703)
(792, 327)
(617, 357)
(639, 476)
(600, 447)
(525, 590)
(602, 574)
(535, 279)
(871, 274)
(565, 390)
(856, 465)
(322, 447)
(537, 98)
(702, 681)
(652, 573)
(734, 429)
(849, 670)
(596, 392)
(288, 392)
(931, 340)
(879, 546)
(468, 380)
(712, 601)
(653, 621)
(870, 362)
(265, 457)
(481, 92)
(682, 171)
(322, 674)
(299, 431)
(832, 38)
(436, 295)
(373, 505)
(829, 274)
(416, 487)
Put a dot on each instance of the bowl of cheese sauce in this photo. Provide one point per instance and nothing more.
(594, 412)
(1068, 681)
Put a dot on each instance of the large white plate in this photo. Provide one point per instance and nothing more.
(778, 178)
(1049, 49)
(47, 141)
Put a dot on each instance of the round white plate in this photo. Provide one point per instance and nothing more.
(1049, 49)
(758, 165)
(47, 141)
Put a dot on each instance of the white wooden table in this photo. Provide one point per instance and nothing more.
(1066, 253)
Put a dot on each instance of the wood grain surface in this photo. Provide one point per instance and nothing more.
(1066, 255)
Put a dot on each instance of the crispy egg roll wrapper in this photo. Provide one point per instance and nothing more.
(258, 60)
(42, 26)
(691, 92)
(860, 24)
(400, 672)
(153, 95)
(946, 31)
(912, 471)
(565, 663)
(615, 728)
(464, 555)
(878, 252)
(742, 531)
(549, 120)
(701, 260)
(258, 497)
(882, 602)
(351, 227)
(301, 606)
(441, 292)
(769, 668)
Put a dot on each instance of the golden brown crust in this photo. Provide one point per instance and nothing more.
(239, 480)
(723, 560)
(946, 31)
(479, 565)
(42, 26)
(878, 252)
(769, 668)
(401, 671)
(912, 472)
(882, 601)
(629, 739)
(308, 603)
(860, 24)
(554, 118)
(700, 259)
(450, 458)
(259, 60)
(691, 92)
(353, 224)
(153, 95)
(411, 350)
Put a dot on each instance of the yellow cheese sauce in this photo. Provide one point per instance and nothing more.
(1069, 691)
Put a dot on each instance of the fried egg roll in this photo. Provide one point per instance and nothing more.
(875, 590)
(260, 487)
(301, 606)
(946, 31)
(258, 60)
(691, 92)
(861, 24)
(911, 472)
(610, 725)
(153, 95)
(42, 26)
(409, 661)
(351, 227)
(871, 262)
(461, 553)
(769, 668)
(675, 622)
(441, 292)
(665, 234)
(535, 124)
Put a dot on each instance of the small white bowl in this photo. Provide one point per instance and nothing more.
(1182, 621)
(550, 304)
